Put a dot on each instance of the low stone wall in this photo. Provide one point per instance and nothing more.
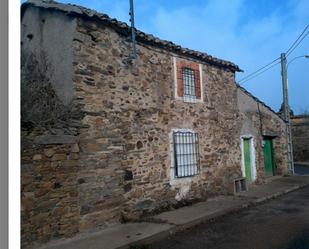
(300, 138)
(50, 207)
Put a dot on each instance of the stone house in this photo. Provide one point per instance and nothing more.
(105, 139)
(300, 138)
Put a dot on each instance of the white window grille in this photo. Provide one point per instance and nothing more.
(186, 153)
(188, 85)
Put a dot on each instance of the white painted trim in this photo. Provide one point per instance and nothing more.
(201, 83)
(253, 164)
(242, 157)
(175, 80)
(252, 156)
(176, 83)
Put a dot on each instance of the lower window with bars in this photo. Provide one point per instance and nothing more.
(186, 154)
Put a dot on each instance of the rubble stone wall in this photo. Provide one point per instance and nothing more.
(125, 156)
(300, 138)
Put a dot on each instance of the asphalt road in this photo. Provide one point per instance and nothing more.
(282, 223)
(301, 169)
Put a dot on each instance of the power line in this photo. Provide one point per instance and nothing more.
(295, 44)
(271, 64)
(255, 72)
(298, 43)
(243, 81)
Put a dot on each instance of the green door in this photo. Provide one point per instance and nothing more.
(268, 157)
(247, 159)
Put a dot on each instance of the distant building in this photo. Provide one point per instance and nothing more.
(105, 139)
(300, 138)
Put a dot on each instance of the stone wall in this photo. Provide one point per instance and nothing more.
(125, 162)
(300, 138)
(49, 195)
(96, 146)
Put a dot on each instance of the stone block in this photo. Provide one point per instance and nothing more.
(55, 139)
(75, 148)
(74, 156)
(59, 157)
(37, 157)
(49, 152)
(146, 204)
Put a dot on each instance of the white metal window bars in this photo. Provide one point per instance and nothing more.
(189, 82)
(186, 154)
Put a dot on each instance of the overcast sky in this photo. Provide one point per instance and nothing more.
(247, 32)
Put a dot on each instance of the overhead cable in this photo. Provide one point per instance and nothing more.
(300, 38)
(252, 75)
(271, 66)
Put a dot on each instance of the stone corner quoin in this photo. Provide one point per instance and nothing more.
(99, 133)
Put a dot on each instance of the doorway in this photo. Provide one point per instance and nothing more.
(268, 157)
(248, 158)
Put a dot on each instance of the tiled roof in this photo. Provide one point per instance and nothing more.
(123, 28)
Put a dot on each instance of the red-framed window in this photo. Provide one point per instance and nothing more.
(188, 80)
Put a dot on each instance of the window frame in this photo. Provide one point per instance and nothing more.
(189, 82)
(188, 169)
(189, 65)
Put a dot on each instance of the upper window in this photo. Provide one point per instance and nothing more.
(188, 81)
(186, 153)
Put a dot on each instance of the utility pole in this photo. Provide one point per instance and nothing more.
(286, 113)
(133, 53)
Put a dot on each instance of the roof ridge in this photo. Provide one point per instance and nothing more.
(123, 28)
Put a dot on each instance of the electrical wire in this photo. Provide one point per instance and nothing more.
(295, 44)
(243, 81)
(271, 64)
(255, 72)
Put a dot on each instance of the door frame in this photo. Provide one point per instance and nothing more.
(252, 156)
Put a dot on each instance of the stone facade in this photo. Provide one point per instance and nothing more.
(300, 138)
(96, 128)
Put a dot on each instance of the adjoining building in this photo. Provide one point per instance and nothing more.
(300, 138)
(106, 139)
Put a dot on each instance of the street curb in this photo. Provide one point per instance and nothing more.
(177, 228)
(201, 220)
(278, 194)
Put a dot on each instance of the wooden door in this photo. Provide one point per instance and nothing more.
(247, 159)
(268, 157)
